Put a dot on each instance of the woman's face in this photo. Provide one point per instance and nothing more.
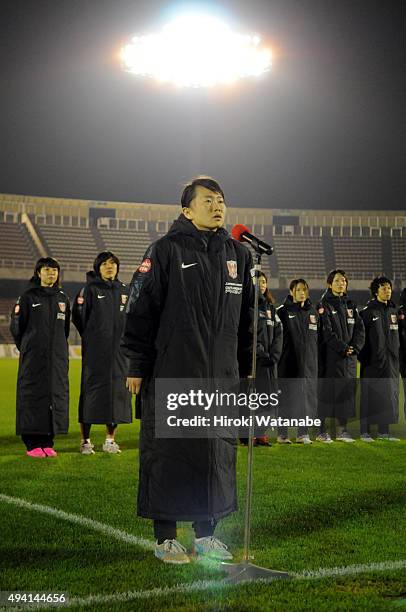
(339, 285)
(108, 269)
(299, 293)
(262, 284)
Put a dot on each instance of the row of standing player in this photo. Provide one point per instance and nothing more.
(318, 346)
(40, 326)
(296, 341)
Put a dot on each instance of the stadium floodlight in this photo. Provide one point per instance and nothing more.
(196, 50)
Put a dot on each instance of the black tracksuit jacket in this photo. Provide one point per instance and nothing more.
(40, 328)
(99, 314)
(188, 316)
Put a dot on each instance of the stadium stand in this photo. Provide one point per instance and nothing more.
(360, 257)
(128, 245)
(399, 258)
(306, 243)
(300, 256)
(74, 247)
(17, 247)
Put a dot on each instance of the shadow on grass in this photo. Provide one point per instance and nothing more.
(100, 561)
(329, 513)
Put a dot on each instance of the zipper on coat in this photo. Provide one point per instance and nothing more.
(50, 360)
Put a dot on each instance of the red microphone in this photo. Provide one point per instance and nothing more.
(242, 234)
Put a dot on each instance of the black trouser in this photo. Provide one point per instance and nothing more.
(364, 427)
(341, 422)
(301, 431)
(166, 530)
(32, 441)
(86, 429)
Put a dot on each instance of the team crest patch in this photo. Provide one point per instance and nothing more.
(232, 268)
(80, 300)
(394, 318)
(313, 319)
(124, 298)
(62, 306)
(145, 266)
(350, 313)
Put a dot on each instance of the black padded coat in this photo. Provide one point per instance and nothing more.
(337, 372)
(188, 317)
(40, 328)
(99, 314)
(380, 363)
(302, 335)
(269, 344)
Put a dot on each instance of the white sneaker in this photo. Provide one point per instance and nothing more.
(111, 446)
(86, 448)
(303, 439)
(324, 437)
(212, 548)
(344, 436)
(366, 438)
(171, 551)
(387, 438)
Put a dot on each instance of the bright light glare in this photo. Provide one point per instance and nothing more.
(196, 51)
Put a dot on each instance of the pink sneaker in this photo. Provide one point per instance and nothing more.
(36, 452)
(49, 452)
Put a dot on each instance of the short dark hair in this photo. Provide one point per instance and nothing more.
(377, 282)
(101, 258)
(332, 274)
(189, 191)
(268, 295)
(297, 281)
(47, 262)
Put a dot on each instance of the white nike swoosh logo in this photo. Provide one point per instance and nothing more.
(292, 316)
(375, 318)
(35, 305)
(188, 265)
(100, 296)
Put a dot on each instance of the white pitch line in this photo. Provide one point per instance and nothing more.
(199, 585)
(118, 534)
(348, 570)
(207, 585)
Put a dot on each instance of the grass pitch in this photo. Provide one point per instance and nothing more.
(324, 506)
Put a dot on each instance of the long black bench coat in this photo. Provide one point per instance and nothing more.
(188, 317)
(40, 328)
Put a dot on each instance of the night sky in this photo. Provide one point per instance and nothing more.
(324, 129)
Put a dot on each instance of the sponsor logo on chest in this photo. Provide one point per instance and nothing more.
(234, 288)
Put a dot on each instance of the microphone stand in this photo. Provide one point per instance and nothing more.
(246, 571)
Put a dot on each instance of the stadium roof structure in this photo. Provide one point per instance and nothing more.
(39, 205)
